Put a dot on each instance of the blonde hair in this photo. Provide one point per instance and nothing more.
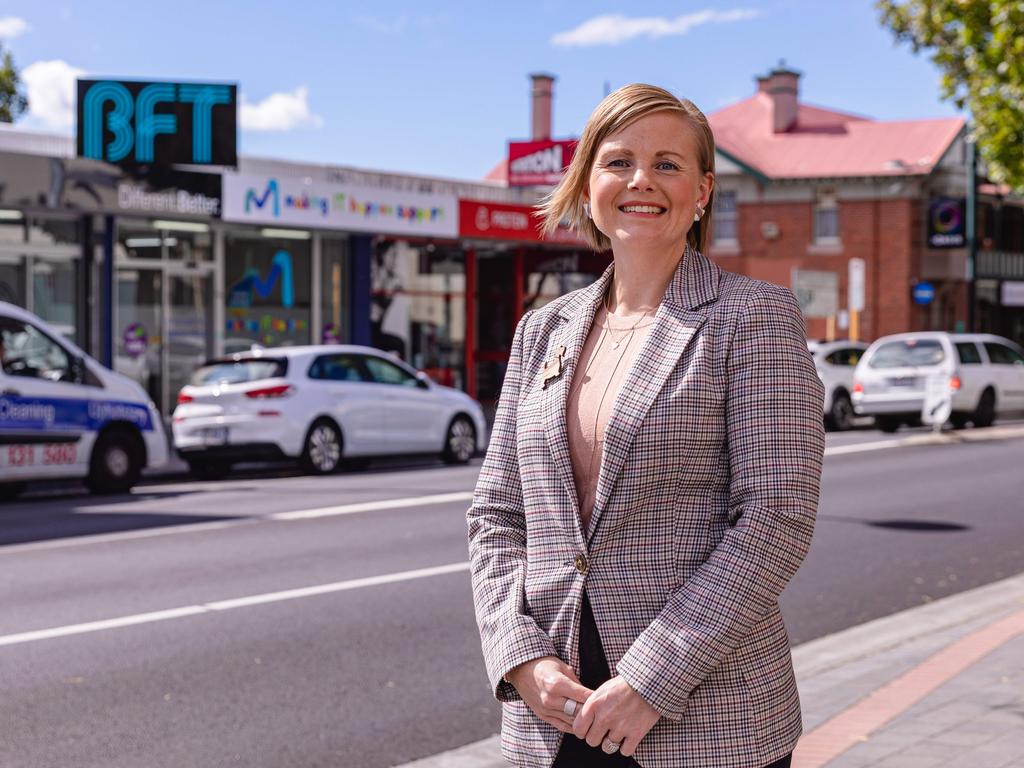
(617, 111)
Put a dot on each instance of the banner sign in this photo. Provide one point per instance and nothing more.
(56, 414)
(947, 223)
(132, 124)
(533, 163)
(502, 221)
(281, 201)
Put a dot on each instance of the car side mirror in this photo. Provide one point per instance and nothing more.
(422, 380)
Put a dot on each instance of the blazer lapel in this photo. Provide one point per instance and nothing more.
(684, 308)
(577, 316)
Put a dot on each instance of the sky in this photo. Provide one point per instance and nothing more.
(439, 88)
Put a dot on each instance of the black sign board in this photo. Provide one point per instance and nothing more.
(947, 223)
(144, 124)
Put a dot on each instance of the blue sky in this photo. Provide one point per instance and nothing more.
(438, 88)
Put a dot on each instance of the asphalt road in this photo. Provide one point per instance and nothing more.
(257, 669)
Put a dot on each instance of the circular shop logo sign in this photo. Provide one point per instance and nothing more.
(483, 219)
(135, 340)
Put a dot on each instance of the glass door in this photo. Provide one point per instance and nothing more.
(189, 323)
(138, 329)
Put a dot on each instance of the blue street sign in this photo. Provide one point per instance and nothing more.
(923, 293)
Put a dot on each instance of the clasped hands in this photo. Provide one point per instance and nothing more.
(614, 711)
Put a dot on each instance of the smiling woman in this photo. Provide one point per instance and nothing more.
(652, 477)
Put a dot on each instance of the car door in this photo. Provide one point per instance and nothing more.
(45, 394)
(1009, 366)
(415, 416)
(341, 384)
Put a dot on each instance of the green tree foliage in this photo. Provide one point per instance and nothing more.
(13, 101)
(979, 46)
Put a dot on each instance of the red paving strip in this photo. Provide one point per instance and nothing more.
(849, 728)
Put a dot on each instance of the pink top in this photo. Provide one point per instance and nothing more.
(604, 361)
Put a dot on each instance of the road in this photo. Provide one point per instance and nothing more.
(243, 634)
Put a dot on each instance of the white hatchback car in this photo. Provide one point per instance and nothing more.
(835, 361)
(986, 376)
(319, 404)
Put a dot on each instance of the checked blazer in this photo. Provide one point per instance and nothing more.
(706, 499)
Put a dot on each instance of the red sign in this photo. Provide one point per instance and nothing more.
(533, 163)
(501, 221)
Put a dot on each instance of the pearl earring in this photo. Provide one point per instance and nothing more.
(698, 214)
(586, 209)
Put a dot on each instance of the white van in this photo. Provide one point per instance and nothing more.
(985, 374)
(62, 414)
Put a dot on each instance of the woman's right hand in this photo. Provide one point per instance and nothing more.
(545, 684)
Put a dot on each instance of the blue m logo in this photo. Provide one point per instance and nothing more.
(241, 293)
(270, 193)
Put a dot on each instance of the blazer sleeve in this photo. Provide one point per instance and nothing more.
(776, 442)
(497, 544)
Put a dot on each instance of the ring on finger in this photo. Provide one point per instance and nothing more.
(570, 707)
(610, 747)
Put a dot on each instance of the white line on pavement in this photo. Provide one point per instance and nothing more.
(372, 506)
(228, 605)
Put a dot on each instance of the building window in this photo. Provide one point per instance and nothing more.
(723, 227)
(334, 291)
(826, 219)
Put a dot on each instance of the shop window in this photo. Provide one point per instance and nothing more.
(418, 309)
(12, 282)
(267, 290)
(334, 291)
(826, 219)
(723, 223)
(55, 293)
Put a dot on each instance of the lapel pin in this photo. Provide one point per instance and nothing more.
(552, 368)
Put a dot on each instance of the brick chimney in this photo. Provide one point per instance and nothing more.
(782, 85)
(541, 95)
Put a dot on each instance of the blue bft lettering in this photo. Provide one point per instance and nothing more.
(148, 122)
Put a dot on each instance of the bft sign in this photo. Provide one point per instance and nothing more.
(137, 123)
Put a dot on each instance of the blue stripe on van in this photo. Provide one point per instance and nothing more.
(68, 414)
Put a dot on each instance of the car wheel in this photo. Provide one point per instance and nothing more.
(116, 462)
(321, 453)
(840, 415)
(985, 413)
(460, 442)
(11, 491)
(887, 423)
(206, 469)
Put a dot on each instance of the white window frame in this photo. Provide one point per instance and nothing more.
(721, 241)
(826, 202)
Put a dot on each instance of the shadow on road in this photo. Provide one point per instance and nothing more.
(918, 526)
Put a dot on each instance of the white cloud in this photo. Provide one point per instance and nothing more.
(278, 112)
(51, 92)
(615, 28)
(12, 26)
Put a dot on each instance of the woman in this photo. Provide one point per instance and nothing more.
(652, 477)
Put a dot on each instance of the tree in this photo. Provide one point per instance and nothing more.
(979, 46)
(13, 101)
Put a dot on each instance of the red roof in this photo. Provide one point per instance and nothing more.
(825, 143)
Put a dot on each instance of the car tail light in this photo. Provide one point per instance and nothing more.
(954, 382)
(183, 398)
(278, 390)
(858, 388)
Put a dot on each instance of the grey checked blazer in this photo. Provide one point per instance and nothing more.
(705, 507)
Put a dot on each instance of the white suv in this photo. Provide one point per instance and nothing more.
(986, 375)
(835, 361)
(319, 404)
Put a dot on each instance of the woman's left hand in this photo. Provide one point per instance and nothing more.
(617, 712)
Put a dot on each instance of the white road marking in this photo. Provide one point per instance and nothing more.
(372, 506)
(930, 438)
(228, 605)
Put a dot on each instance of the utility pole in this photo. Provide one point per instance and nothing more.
(972, 239)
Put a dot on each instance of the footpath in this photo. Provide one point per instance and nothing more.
(936, 686)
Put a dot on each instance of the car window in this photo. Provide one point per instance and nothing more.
(384, 372)
(337, 368)
(237, 371)
(968, 352)
(27, 351)
(908, 352)
(1000, 354)
(848, 356)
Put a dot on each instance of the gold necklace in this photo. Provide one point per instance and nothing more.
(629, 331)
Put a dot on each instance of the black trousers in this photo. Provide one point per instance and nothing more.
(576, 753)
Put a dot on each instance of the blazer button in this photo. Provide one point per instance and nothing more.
(581, 563)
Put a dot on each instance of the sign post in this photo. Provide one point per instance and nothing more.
(855, 295)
